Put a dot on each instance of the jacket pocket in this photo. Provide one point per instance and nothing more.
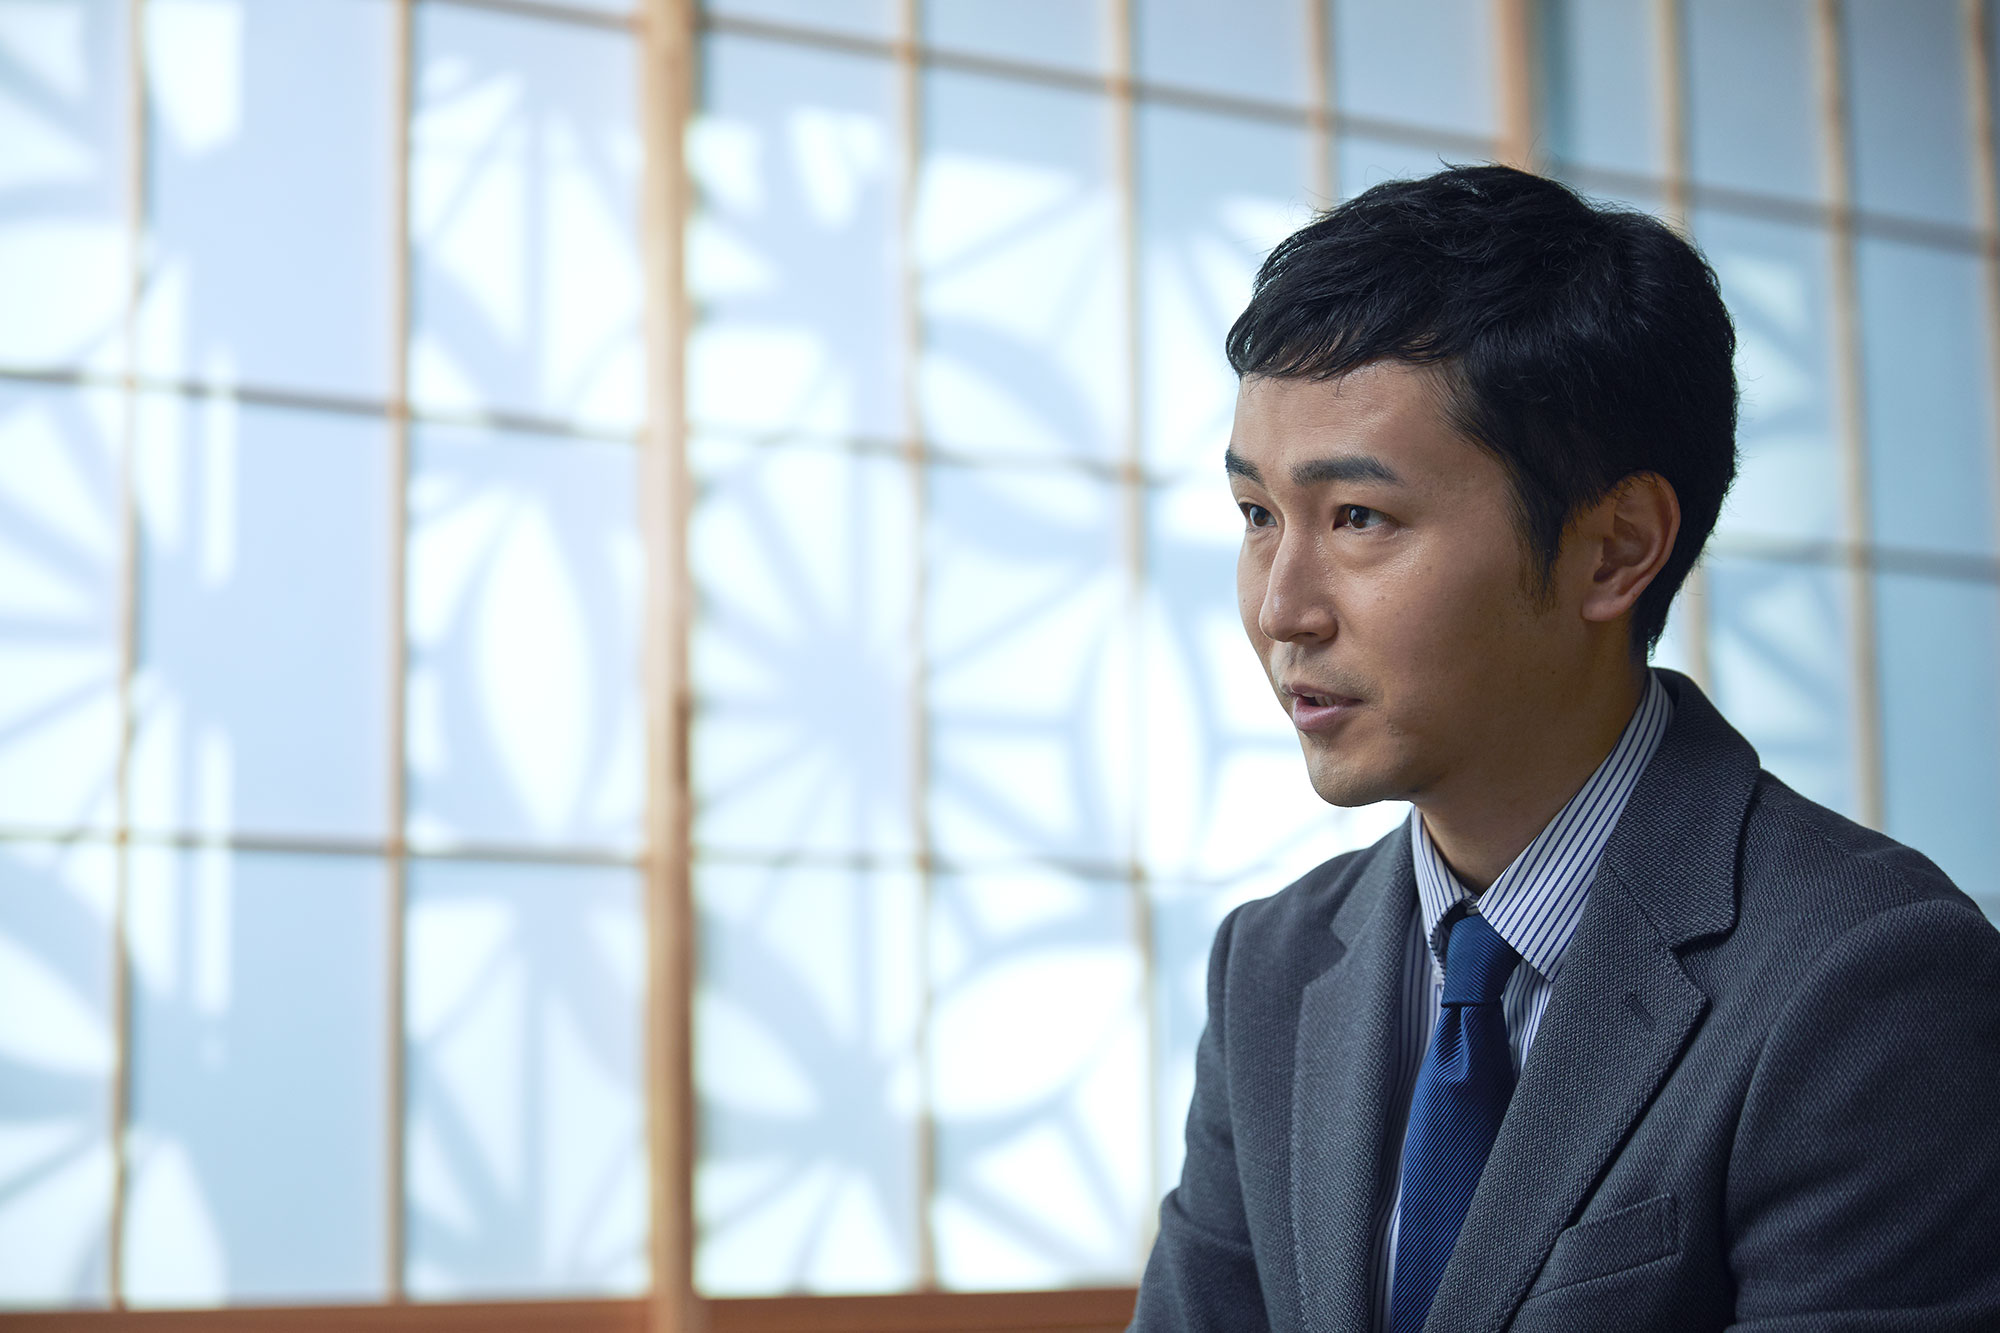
(1625, 1238)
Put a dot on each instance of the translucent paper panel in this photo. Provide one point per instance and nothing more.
(1928, 367)
(1216, 193)
(1912, 138)
(1225, 799)
(1753, 108)
(1030, 690)
(1249, 48)
(1423, 63)
(1775, 277)
(64, 112)
(1600, 85)
(1018, 243)
(1071, 34)
(791, 255)
(806, 1050)
(805, 563)
(260, 1061)
(1779, 641)
(272, 227)
(527, 1160)
(867, 18)
(1938, 642)
(525, 717)
(58, 1050)
(61, 566)
(1038, 1063)
(524, 218)
(264, 674)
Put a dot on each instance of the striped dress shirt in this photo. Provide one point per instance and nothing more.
(1534, 906)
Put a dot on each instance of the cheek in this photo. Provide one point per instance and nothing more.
(1250, 581)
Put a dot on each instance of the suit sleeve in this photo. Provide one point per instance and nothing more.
(1864, 1183)
(1202, 1274)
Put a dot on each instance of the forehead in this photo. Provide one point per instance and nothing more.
(1386, 411)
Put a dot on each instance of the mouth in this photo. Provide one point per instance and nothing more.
(1315, 710)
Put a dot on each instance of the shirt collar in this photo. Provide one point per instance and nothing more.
(1538, 899)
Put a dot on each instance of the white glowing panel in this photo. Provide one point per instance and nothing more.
(1254, 49)
(1038, 1069)
(58, 1050)
(259, 1169)
(525, 716)
(271, 158)
(1778, 641)
(1070, 34)
(1776, 277)
(524, 218)
(1423, 63)
(1753, 104)
(61, 558)
(806, 1075)
(804, 563)
(1600, 86)
(1906, 66)
(1025, 339)
(1927, 368)
(1028, 647)
(1225, 798)
(1216, 194)
(795, 159)
(864, 18)
(264, 679)
(64, 116)
(527, 1171)
(1937, 641)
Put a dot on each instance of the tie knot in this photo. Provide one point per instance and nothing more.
(1477, 962)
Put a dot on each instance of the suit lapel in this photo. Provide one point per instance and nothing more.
(1621, 1012)
(1345, 1062)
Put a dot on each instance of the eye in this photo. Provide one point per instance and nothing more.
(1256, 515)
(1355, 516)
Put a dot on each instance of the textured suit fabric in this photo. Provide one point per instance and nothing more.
(1765, 1095)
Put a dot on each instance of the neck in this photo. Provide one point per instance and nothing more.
(1490, 811)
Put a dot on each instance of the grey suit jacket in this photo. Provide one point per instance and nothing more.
(1765, 1094)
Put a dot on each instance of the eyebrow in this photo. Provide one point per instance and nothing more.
(1318, 471)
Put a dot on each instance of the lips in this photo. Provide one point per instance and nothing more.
(1316, 710)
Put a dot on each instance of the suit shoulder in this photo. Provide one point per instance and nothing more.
(1277, 925)
(1802, 862)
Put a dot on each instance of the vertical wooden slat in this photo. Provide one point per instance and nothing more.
(1851, 406)
(1980, 90)
(1320, 92)
(1670, 73)
(667, 59)
(1514, 84)
(915, 453)
(394, 1141)
(128, 644)
(1132, 484)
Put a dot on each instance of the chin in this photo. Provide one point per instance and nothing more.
(1347, 784)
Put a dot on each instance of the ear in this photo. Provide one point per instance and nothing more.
(1630, 534)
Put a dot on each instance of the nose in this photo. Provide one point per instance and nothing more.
(1297, 602)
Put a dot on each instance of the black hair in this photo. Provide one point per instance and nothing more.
(1580, 343)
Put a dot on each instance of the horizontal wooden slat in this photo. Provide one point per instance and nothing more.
(931, 1312)
(494, 1317)
(1094, 1311)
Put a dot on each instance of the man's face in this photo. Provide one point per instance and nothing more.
(1385, 585)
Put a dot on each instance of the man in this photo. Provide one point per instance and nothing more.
(1618, 1032)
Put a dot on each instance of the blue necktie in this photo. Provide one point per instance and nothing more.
(1461, 1095)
